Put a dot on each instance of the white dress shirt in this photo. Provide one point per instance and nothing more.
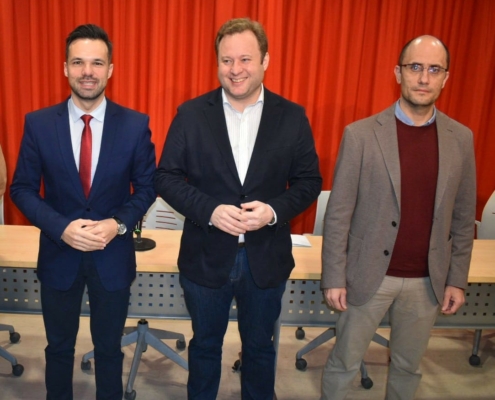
(243, 130)
(76, 128)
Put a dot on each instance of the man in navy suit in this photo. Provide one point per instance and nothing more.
(239, 163)
(85, 220)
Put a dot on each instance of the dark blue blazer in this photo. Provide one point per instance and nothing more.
(197, 173)
(127, 156)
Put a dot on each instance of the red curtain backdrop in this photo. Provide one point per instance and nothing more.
(335, 57)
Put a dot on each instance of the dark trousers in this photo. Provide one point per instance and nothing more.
(61, 311)
(257, 312)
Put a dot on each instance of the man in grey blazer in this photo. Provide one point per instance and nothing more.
(399, 224)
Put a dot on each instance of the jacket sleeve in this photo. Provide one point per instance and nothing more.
(3, 173)
(339, 212)
(141, 177)
(463, 217)
(304, 179)
(172, 173)
(26, 185)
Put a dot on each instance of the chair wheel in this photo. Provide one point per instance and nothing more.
(367, 383)
(237, 366)
(14, 337)
(130, 395)
(301, 364)
(17, 369)
(86, 365)
(300, 334)
(180, 344)
(474, 360)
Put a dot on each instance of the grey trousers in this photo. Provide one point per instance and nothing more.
(413, 309)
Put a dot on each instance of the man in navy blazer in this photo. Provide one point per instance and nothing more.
(239, 162)
(86, 238)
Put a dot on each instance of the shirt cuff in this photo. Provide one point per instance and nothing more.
(274, 220)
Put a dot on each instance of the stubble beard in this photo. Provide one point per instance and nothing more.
(90, 96)
(417, 105)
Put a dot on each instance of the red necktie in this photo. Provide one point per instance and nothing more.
(85, 155)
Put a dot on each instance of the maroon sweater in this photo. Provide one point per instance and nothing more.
(418, 153)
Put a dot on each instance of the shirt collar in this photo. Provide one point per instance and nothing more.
(76, 113)
(401, 116)
(261, 98)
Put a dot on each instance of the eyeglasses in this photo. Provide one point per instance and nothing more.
(419, 68)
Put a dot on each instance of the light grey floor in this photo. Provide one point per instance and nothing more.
(447, 374)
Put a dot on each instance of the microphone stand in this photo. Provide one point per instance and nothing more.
(140, 243)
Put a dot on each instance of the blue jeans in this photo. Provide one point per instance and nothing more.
(257, 312)
(61, 311)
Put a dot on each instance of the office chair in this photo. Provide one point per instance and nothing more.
(321, 206)
(17, 369)
(328, 334)
(485, 229)
(159, 216)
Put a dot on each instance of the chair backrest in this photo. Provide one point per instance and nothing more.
(1, 210)
(321, 206)
(162, 216)
(486, 229)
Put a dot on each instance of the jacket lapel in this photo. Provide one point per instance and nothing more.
(65, 144)
(270, 120)
(110, 125)
(218, 127)
(386, 134)
(445, 152)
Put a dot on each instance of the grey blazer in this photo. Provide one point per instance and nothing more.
(363, 215)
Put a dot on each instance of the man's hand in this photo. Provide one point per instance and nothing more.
(106, 229)
(453, 299)
(258, 214)
(336, 298)
(79, 235)
(229, 219)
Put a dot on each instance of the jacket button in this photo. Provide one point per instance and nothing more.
(243, 196)
(88, 209)
(386, 252)
(394, 224)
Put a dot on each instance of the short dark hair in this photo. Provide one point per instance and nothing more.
(406, 46)
(239, 25)
(88, 31)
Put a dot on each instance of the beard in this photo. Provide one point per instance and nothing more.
(87, 95)
(419, 103)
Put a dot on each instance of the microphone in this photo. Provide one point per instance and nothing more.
(140, 243)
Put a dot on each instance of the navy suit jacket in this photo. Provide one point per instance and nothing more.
(127, 156)
(197, 173)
